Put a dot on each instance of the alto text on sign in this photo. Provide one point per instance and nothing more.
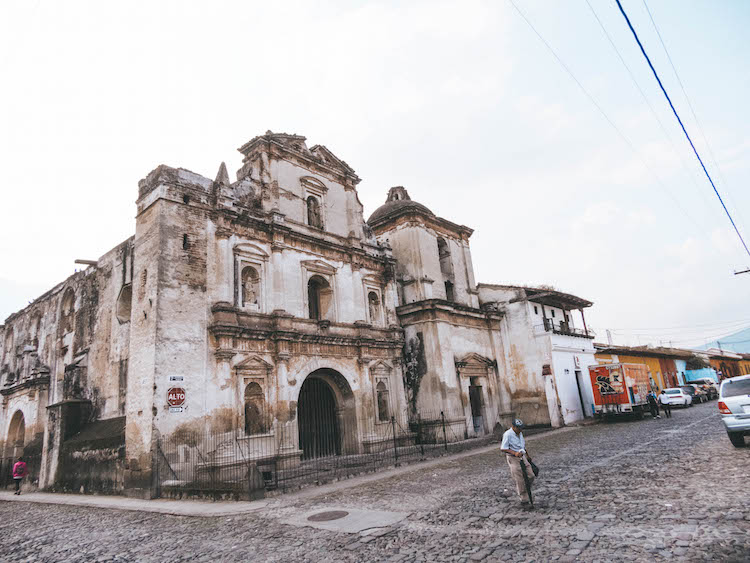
(176, 397)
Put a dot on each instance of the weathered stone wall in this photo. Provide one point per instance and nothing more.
(67, 345)
(92, 461)
(462, 346)
(533, 395)
(213, 295)
(199, 236)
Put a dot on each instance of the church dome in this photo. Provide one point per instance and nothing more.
(397, 202)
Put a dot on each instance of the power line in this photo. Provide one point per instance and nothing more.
(734, 341)
(692, 111)
(686, 333)
(720, 324)
(659, 182)
(656, 75)
(707, 339)
(648, 103)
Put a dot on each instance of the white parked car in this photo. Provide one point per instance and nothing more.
(676, 397)
(734, 406)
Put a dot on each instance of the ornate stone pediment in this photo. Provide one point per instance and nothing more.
(474, 365)
(254, 367)
(330, 159)
(318, 266)
(248, 249)
(380, 368)
(313, 184)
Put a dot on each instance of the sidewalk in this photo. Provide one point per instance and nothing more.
(163, 506)
(210, 509)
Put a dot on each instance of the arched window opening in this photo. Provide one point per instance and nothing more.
(8, 344)
(250, 287)
(384, 411)
(36, 329)
(320, 298)
(442, 247)
(66, 313)
(17, 433)
(373, 302)
(444, 254)
(449, 291)
(256, 421)
(124, 305)
(314, 218)
(446, 267)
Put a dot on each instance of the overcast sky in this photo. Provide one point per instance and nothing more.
(458, 101)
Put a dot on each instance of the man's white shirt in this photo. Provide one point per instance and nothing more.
(513, 441)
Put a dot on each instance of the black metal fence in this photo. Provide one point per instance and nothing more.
(315, 448)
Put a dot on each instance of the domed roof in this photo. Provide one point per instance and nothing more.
(398, 200)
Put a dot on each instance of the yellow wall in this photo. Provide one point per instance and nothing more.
(736, 365)
(652, 365)
(744, 367)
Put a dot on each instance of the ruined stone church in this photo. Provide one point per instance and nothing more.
(269, 305)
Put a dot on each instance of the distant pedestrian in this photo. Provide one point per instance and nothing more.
(664, 402)
(653, 405)
(514, 448)
(19, 472)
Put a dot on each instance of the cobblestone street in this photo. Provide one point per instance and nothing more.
(669, 489)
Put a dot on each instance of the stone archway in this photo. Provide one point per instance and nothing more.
(16, 435)
(326, 415)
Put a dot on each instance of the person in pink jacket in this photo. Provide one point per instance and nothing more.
(19, 472)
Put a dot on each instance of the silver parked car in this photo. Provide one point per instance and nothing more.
(734, 406)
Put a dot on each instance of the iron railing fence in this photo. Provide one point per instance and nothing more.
(563, 327)
(247, 462)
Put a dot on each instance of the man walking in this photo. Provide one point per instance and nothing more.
(653, 405)
(664, 402)
(514, 448)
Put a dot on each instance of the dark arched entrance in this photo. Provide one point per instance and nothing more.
(319, 433)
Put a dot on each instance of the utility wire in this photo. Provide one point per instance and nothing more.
(690, 339)
(684, 336)
(695, 116)
(733, 341)
(656, 75)
(677, 153)
(738, 321)
(676, 331)
(604, 114)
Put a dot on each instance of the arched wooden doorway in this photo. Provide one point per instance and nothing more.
(16, 434)
(326, 416)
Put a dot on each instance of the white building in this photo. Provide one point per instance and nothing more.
(544, 338)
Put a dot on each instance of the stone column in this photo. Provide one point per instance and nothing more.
(277, 272)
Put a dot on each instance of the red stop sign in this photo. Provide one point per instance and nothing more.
(176, 397)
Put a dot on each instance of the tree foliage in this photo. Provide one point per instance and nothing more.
(414, 370)
(696, 363)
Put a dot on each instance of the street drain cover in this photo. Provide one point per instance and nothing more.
(327, 516)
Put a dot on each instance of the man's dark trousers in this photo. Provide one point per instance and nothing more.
(667, 410)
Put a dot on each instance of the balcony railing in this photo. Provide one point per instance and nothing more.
(563, 328)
